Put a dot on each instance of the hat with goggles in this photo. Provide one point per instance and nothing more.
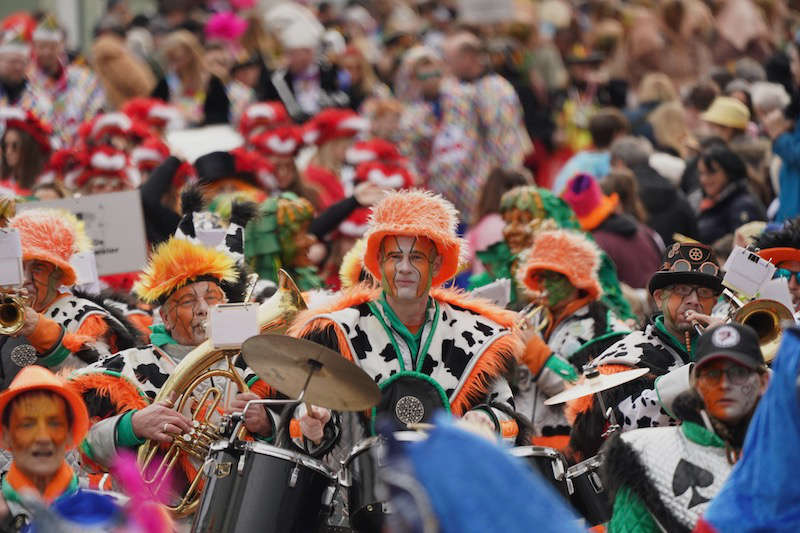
(688, 264)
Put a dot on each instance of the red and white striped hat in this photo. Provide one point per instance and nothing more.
(390, 176)
(148, 155)
(333, 123)
(105, 161)
(262, 116)
(372, 150)
(153, 112)
(116, 123)
(281, 141)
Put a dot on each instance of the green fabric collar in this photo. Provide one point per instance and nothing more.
(676, 343)
(700, 435)
(159, 336)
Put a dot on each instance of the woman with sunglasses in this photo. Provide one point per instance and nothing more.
(685, 287)
(667, 476)
(24, 149)
(782, 248)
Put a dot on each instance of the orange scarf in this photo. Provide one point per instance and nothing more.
(57, 486)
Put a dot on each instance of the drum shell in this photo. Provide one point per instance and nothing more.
(588, 496)
(277, 491)
(549, 462)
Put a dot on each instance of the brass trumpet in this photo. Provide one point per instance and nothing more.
(12, 312)
(536, 315)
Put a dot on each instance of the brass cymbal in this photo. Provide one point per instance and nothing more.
(596, 384)
(284, 362)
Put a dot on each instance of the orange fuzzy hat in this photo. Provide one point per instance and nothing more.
(175, 263)
(415, 213)
(51, 235)
(37, 378)
(567, 252)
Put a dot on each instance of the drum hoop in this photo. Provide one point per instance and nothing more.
(309, 462)
(362, 445)
(539, 451)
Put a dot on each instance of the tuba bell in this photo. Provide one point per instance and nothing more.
(766, 317)
(274, 316)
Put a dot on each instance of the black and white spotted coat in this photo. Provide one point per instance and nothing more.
(461, 338)
(576, 340)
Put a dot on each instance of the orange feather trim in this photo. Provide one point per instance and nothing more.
(351, 297)
(583, 404)
(122, 393)
(482, 306)
(261, 389)
(496, 360)
(142, 323)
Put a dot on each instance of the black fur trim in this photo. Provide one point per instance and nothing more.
(235, 290)
(786, 237)
(622, 467)
(127, 335)
(687, 406)
(191, 202)
(243, 212)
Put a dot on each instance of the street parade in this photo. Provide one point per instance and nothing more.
(389, 266)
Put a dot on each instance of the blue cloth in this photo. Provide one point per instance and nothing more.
(79, 509)
(475, 486)
(598, 164)
(763, 491)
(787, 147)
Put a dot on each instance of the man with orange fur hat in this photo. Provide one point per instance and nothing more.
(427, 348)
(61, 330)
(560, 273)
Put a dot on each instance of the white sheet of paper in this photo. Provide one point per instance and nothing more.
(745, 272)
(85, 266)
(232, 324)
(498, 292)
(10, 243)
(777, 289)
(10, 271)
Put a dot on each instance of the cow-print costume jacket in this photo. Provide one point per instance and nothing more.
(465, 362)
(574, 341)
(636, 403)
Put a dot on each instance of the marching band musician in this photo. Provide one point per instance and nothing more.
(667, 476)
(684, 288)
(426, 347)
(186, 279)
(60, 330)
(559, 273)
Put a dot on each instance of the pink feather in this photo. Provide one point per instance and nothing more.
(227, 26)
(144, 508)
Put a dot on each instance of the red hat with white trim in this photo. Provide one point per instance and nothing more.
(372, 150)
(153, 112)
(262, 116)
(281, 141)
(334, 123)
(25, 120)
(105, 161)
(148, 155)
(116, 123)
(389, 176)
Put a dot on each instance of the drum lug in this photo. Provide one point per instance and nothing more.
(294, 475)
(240, 466)
(327, 496)
(570, 487)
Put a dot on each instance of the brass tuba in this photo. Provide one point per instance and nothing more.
(766, 317)
(12, 313)
(274, 316)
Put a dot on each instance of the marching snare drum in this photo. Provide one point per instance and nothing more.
(588, 496)
(367, 494)
(550, 463)
(255, 487)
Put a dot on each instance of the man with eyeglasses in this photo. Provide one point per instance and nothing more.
(667, 476)
(782, 248)
(687, 285)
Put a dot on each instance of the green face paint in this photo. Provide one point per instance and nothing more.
(557, 286)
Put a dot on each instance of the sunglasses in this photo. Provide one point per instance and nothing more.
(786, 273)
(13, 145)
(703, 293)
(682, 265)
(736, 374)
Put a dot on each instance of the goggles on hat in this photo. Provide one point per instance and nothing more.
(736, 374)
(786, 273)
(682, 265)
